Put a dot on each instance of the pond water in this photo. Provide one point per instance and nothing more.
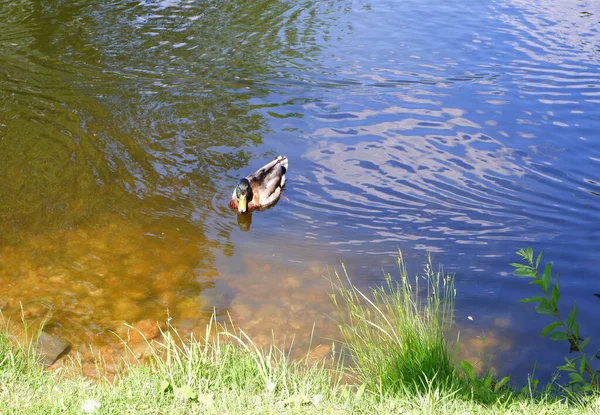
(464, 129)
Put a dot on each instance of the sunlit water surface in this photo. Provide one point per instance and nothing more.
(464, 129)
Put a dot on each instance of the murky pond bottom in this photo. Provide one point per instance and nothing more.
(92, 284)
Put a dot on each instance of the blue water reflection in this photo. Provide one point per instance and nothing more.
(466, 130)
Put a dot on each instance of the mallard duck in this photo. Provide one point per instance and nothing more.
(261, 189)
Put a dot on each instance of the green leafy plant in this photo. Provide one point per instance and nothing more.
(582, 375)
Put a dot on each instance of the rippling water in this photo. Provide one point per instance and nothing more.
(468, 130)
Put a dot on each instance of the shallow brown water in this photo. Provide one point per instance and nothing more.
(468, 130)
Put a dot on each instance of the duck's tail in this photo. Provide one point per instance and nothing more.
(283, 163)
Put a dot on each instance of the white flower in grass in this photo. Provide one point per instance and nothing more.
(317, 399)
(270, 387)
(90, 406)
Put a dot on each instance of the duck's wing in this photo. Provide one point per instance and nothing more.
(266, 199)
(275, 169)
(267, 181)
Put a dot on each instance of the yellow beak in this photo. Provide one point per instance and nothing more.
(242, 204)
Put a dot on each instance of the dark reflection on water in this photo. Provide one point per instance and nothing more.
(244, 222)
(465, 129)
(120, 122)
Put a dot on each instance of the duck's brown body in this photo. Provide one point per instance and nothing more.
(262, 188)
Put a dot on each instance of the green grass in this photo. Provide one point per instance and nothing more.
(397, 335)
(400, 364)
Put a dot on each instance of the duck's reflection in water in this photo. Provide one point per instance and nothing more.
(244, 221)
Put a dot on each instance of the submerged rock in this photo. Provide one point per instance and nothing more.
(49, 348)
(319, 353)
(143, 331)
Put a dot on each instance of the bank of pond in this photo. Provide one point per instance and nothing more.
(398, 355)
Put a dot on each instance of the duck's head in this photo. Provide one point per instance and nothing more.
(243, 192)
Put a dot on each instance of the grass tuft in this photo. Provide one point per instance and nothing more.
(397, 334)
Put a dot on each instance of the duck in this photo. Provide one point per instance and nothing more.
(261, 189)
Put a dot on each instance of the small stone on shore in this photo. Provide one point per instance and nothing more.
(49, 348)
